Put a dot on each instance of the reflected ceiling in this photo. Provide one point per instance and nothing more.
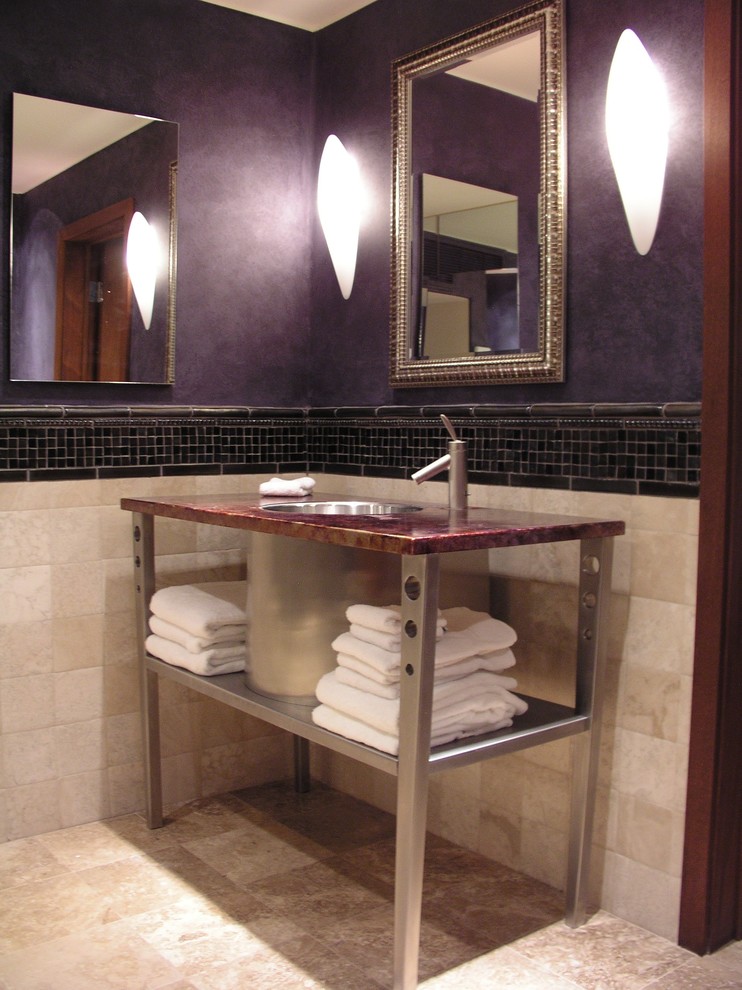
(312, 15)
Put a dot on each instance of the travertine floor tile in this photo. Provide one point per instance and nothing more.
(104, 958)
(266, 889)
(604, 954)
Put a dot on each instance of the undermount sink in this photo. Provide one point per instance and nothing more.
(343, 507)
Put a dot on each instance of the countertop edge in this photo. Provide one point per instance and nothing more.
(433, 530)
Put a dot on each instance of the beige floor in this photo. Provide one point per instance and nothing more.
(269, 889)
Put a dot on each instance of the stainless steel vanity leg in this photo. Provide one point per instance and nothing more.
(302, 780)
(419, 610)
(596, 558)
(143, 533)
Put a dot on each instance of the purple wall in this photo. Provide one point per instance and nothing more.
(633, 323)
(253, 273)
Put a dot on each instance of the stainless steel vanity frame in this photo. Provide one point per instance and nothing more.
(544, 721)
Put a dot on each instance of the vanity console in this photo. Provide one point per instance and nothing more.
(420, 540)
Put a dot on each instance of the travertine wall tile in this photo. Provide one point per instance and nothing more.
(69, 712)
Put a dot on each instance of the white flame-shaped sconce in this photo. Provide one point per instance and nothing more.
(637, 126)
(339, 207)
(142, 262)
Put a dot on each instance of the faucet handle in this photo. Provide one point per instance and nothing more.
(449, 426)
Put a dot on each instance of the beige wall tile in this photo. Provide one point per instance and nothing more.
(27, 702)
(650, 702)
(647, 897)
(544, 854)
(24, 538)
(121, 689)
(84, 798)
(119, 638)
(126, 788)
(80, 747)
(644, 767)
(179, 729)
(74, 534)
(32, 809)
(454, 805)
(25, 593)
(78, 695)
(649, 834)
(668, 515)
(659, 634)
(25, 648)
(29, 757)
(546, 798)
(115, 532)
(663, 566)
(500, 835)
(180, 779)
(123, 739)
(77, 642)
(77, 589)
(74, 494)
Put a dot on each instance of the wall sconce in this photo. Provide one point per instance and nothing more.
(339, 207)
(142, 262)
(637, 125)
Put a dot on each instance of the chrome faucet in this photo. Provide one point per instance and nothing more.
(455, 461)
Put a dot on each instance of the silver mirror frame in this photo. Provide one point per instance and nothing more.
(547, 363)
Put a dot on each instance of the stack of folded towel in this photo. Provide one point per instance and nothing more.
(202, 627)
(359, 699)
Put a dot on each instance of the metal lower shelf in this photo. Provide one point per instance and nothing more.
(544, 721)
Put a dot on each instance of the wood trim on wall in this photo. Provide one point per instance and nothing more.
(712, 868)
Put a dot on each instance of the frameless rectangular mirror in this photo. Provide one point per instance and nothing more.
(478, 226)
(79, 175)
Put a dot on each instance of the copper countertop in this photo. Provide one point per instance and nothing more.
(432, 530)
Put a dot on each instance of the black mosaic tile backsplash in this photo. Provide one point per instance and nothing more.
(632, 449)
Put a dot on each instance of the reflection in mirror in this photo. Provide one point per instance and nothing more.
(478, 205)
(79, 174)
(469, 298)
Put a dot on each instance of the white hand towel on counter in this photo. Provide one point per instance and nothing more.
(205, 608)
(287, 488)
(224, 636)
(384, 618)
(495, 662)
(224, 660)
(489, 701)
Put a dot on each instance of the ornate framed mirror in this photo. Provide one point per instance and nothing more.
(478, 205)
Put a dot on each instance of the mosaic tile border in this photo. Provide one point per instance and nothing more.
(634, 449)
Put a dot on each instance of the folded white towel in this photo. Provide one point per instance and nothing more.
(444, 687)
(468, 727)
(214, 661)
(352, 728)
(384, 618)
(386, 640)
(223, 636)
(288, 488)
(451, 705)
(487, 636)
(203, 609)
(495, 662)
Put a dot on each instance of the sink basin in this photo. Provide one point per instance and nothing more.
(343, 507)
